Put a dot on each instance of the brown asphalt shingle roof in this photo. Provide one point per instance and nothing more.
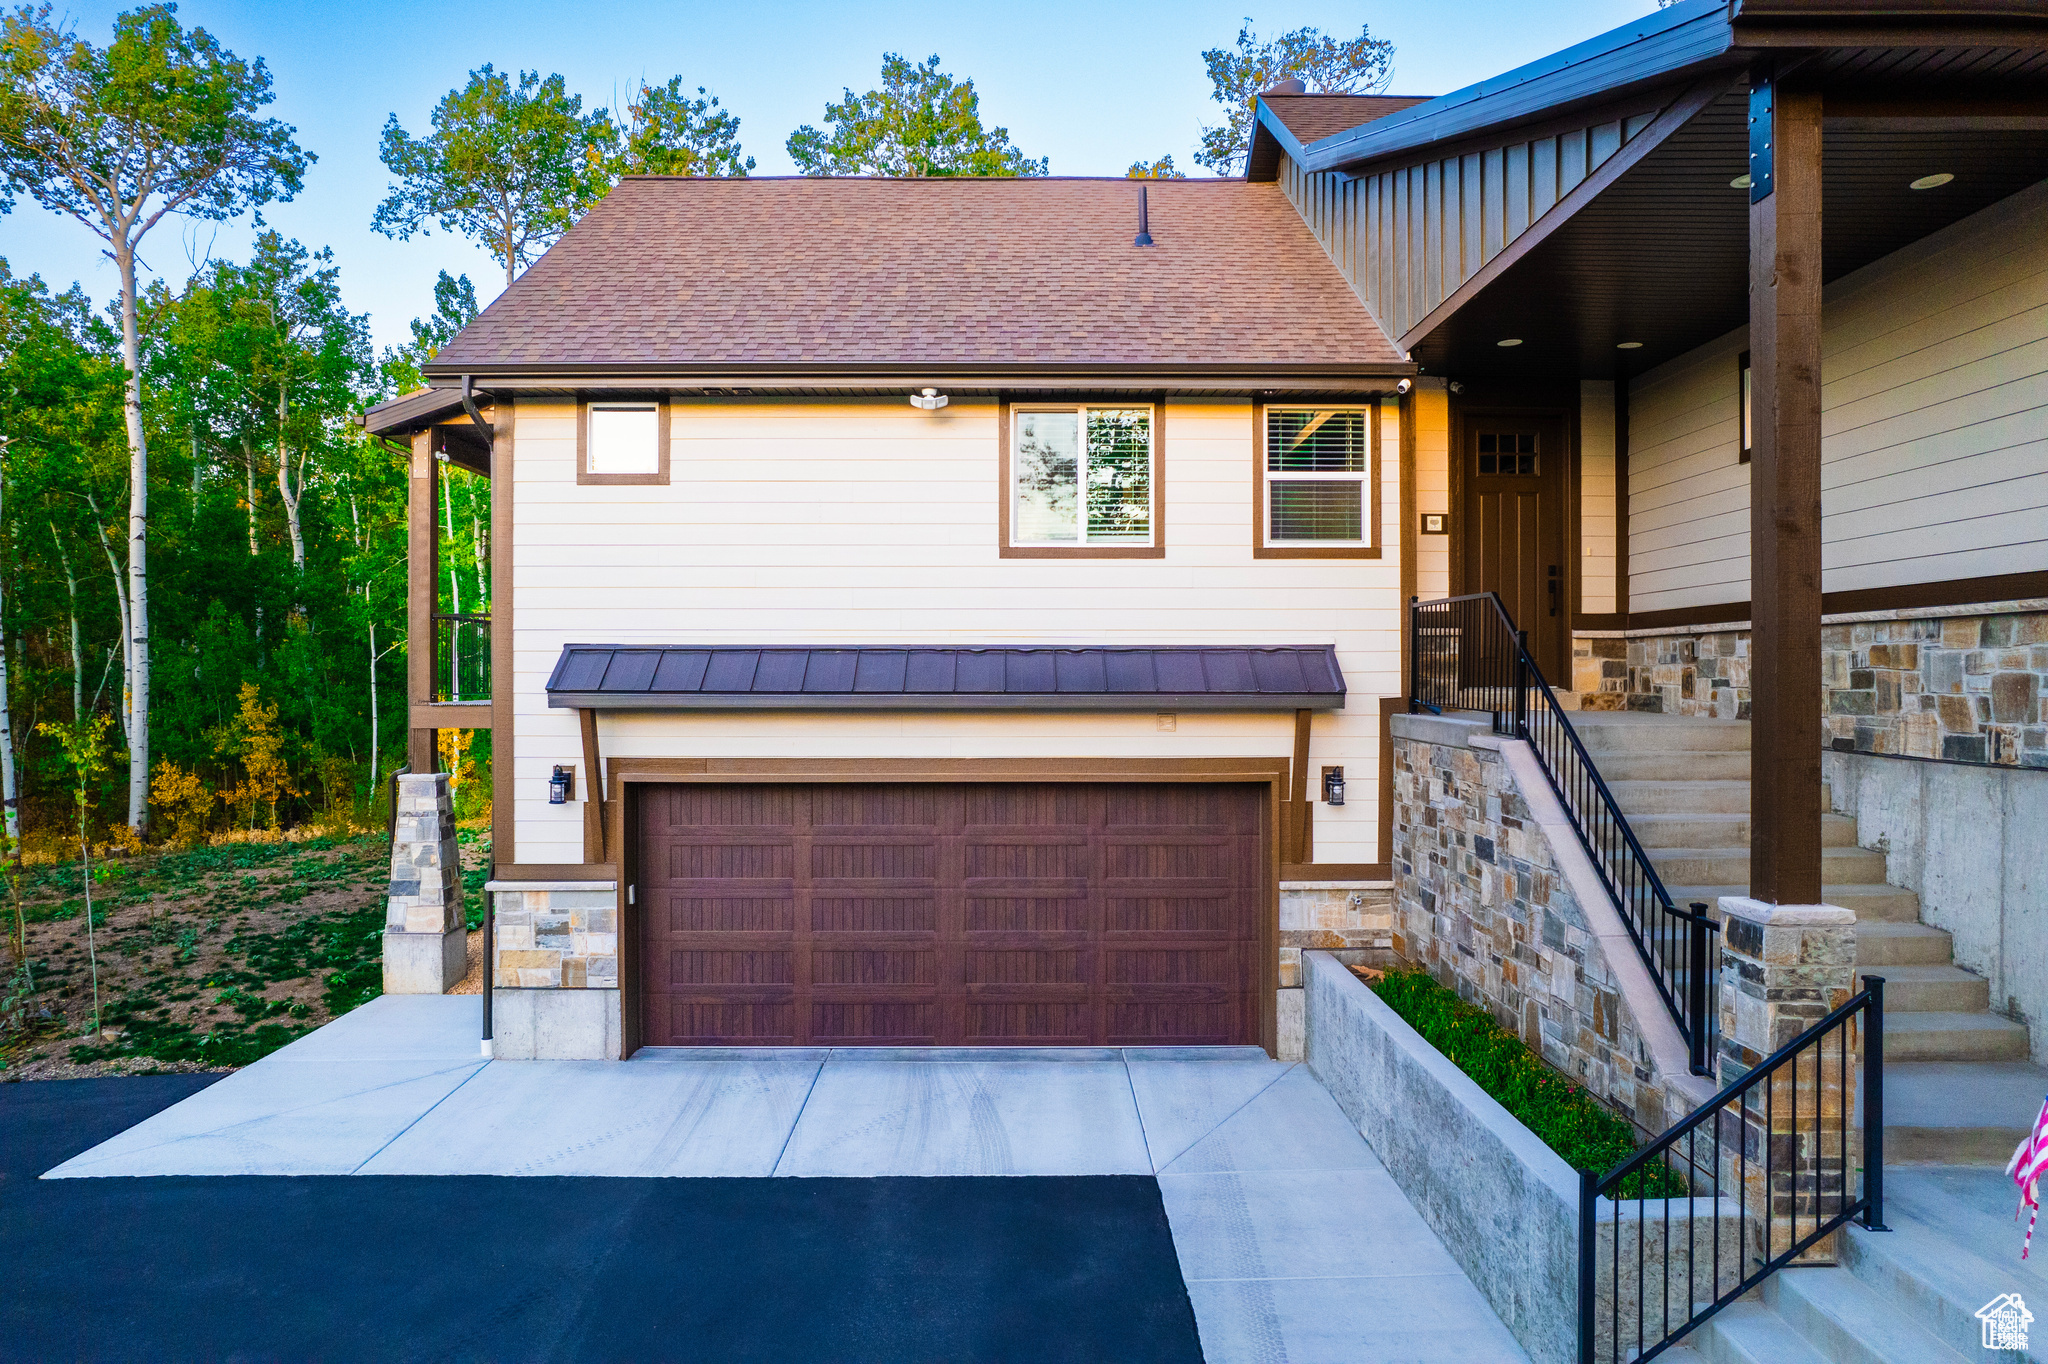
(1312, 118)
(926, 273)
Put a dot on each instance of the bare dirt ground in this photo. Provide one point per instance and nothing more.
(207, 959)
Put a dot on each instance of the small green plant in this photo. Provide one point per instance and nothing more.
(84, 743)
(1562, 1114)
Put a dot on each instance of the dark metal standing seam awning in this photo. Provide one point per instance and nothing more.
(1086, 677)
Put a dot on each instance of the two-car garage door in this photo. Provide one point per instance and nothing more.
(950, 914)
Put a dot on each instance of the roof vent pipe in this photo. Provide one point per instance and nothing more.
(1144, 237)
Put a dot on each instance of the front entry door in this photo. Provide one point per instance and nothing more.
(1514, 527)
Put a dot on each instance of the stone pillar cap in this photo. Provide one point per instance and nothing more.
(1767, 915)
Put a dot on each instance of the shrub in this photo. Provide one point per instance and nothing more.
(1567, 1119)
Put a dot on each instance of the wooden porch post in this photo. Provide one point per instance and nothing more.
(421, 544)
(1784, 515)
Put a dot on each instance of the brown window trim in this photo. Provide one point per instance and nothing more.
(1155, 550)
(1262, 550)
(658, 479)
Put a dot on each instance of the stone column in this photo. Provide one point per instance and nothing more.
(1783, 969)
(425, 938)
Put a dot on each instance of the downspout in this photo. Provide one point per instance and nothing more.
(490, 949)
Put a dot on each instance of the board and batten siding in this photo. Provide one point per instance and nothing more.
(1408, 236)
(1934, 427)
(869, 522)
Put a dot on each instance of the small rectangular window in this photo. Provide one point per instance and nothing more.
(1743, 386)
(1317, 463)
(622, 441)
(1083, 476)
(625, 438)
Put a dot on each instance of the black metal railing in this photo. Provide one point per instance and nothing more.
(462, 657)
(1466, 654)
(1743, 1186)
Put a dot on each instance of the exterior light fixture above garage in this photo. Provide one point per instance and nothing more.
(931, 400)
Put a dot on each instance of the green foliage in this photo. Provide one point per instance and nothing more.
(1327, 66)
(1162, 169)
(668, 133)
(920, 123)
(454, 308)
(1559, 1112)
(511, 167)
(162, 119)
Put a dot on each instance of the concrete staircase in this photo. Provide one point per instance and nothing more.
(1684, 786)
(1959, 1087)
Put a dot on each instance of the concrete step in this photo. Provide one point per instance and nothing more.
(1749, 1332)
(1659, 766)
(1620, 732)
(1880, 944)
(1938, 1113)
(1703, 829)
(1941, 988)
(1953, 1247)
(1871, 903)
(1952, 1037)
(1639, 798)
(1730, 866)
(1848, 1322)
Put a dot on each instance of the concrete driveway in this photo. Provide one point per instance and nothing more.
(1292, 1240)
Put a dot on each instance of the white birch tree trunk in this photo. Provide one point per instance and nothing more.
(120, 600)
(138, 551)
(284, 487)
(10, 799)
(77, 644)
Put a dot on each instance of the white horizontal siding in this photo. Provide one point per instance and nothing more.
(870, 522)
(1934, 447)
(1432, 487)
(1596, 496)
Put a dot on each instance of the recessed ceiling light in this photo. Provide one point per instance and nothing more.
(1628, 345)
(1511, 341)
(1931, 181)
(1739, 182)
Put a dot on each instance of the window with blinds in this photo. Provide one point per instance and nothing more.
(1081, 476)
(1317, 462)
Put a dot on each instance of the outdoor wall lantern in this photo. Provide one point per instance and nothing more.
(562, 786)
(1333, 786)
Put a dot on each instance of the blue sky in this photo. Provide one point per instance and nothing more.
(1092, 85)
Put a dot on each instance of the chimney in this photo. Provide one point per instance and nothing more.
(1290, 86)
(1144, 237)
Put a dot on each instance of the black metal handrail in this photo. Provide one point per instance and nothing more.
(1791, 1178)
(1466, 654)
(462, 656)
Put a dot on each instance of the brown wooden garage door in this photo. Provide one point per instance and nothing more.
(950, 914)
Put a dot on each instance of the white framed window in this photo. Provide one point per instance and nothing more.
(623, 442)
(1316, 483)
(1083, 477)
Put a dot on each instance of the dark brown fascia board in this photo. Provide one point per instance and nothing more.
(929, 701)
(1912, 30)
(672, 376)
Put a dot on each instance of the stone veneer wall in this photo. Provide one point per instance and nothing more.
(1481, 903)
(1965, 684)
(1352, 920)
(557, 938)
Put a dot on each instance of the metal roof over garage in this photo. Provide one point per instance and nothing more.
(919, 677)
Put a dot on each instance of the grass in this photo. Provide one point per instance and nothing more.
(1567, 1119)
(209, 957)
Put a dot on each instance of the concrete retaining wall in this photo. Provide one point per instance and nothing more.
(1505, 1204)
(1968, 840)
